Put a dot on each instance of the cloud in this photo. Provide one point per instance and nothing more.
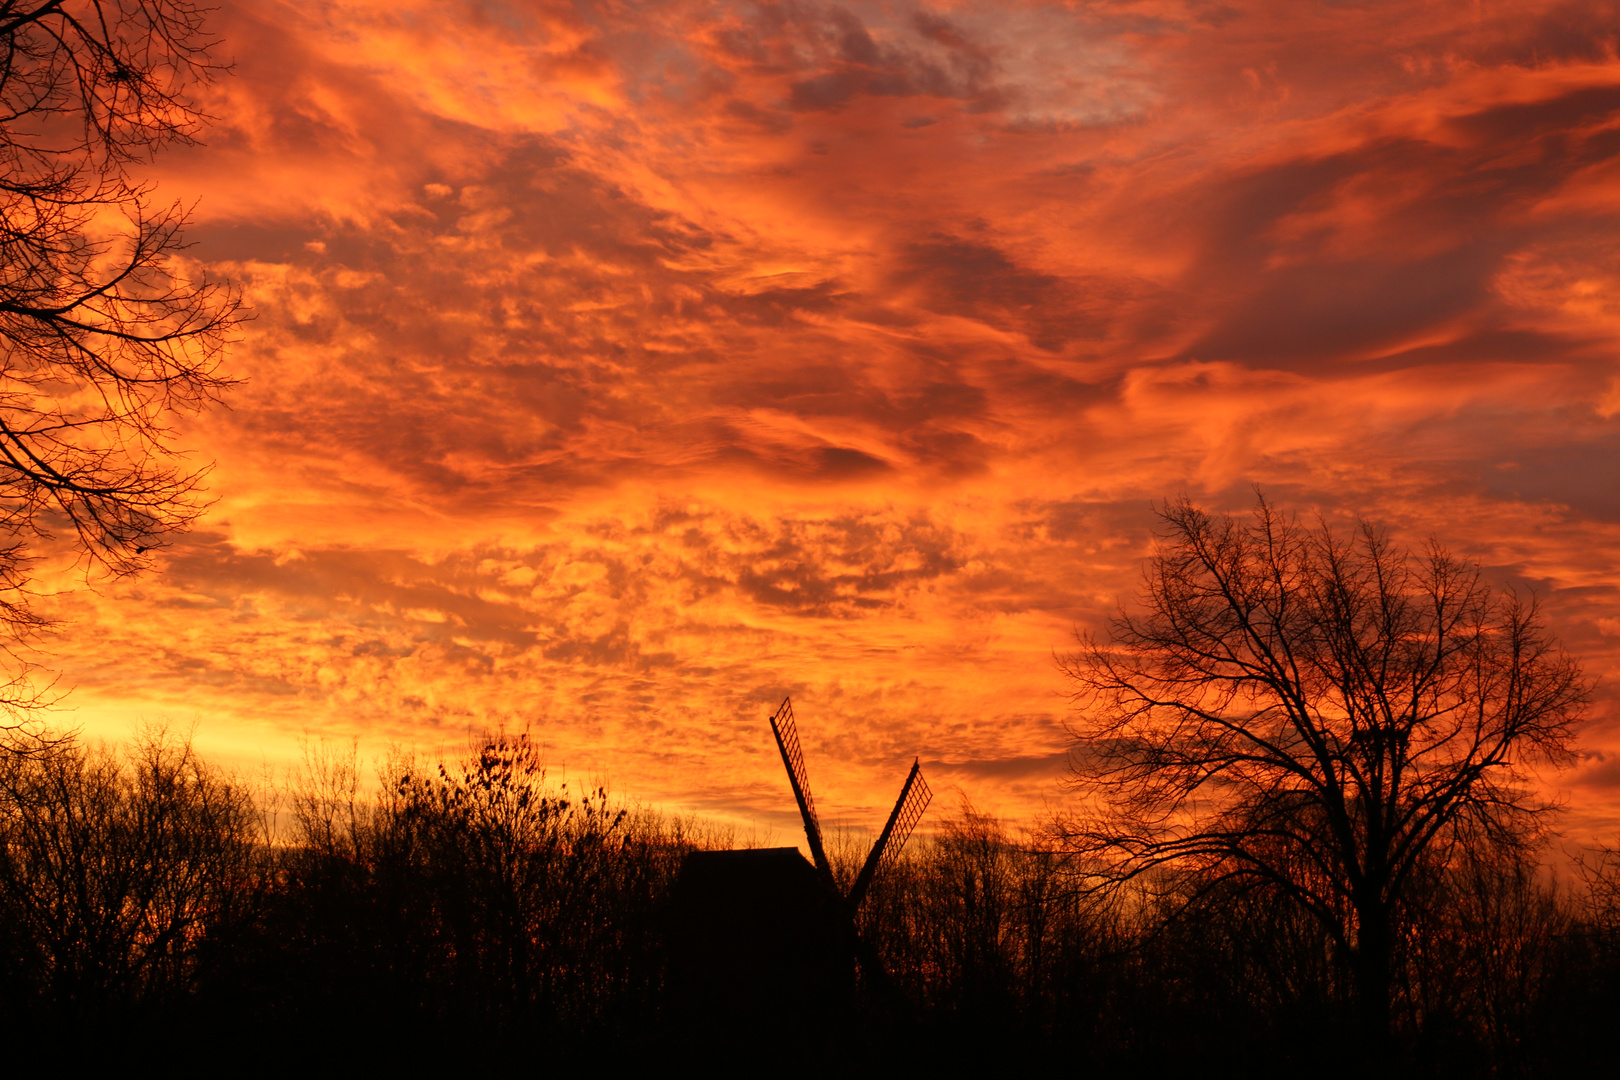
(621, 370)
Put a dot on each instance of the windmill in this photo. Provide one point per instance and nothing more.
(763, 945)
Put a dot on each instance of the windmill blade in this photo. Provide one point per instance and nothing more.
(908, 810)
(787, 741)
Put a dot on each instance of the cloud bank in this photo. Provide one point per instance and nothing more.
(619, 369)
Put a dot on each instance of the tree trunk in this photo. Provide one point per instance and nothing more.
(1374, 945)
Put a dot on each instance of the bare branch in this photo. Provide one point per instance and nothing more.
(105, 333)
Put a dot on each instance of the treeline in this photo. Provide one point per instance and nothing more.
(476, 912)
(1502, 971)
(472, 909)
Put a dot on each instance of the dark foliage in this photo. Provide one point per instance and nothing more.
(476, 915)
(116, 870)
(474, 912)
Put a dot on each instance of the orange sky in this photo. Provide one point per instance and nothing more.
(621, 368)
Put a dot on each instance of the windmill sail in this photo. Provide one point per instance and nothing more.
(787, 741)
(908, 809)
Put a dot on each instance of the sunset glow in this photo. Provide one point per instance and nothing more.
(620, 369)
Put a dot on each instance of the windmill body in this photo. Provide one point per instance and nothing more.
(759, 949)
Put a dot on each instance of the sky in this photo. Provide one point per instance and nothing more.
(619, 369)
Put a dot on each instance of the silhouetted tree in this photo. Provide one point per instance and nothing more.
(520, 872)
(104, 331)
(1316, 717)
(477, 897)
(1478, 954)
(114, 870)
(996, 952)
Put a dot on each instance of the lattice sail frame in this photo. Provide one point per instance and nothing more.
(787, 741)
(911, 812)
(913, 800)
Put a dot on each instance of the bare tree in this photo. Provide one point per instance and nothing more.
(1321, 717)
(105, 332)
(116, 867)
